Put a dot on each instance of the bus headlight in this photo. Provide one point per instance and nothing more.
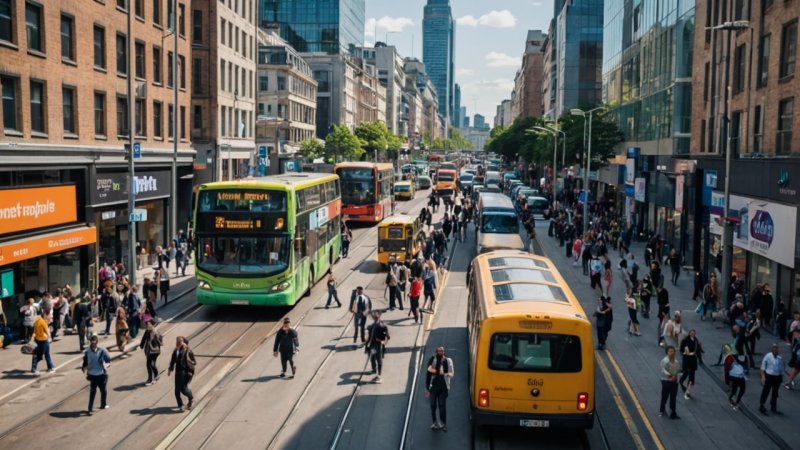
(483, 398)
(204, 285)
(583, 401)
(280, 287)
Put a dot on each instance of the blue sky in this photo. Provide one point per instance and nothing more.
(490, 39)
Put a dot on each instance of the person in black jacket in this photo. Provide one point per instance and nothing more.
(376, 342)
(287, 344)
(81, 316)
(183, 364)
(151, 344)
(437, 382)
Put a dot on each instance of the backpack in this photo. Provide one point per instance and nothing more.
(736, 370)
(191, 362)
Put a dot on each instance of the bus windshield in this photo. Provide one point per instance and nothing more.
(499, 223)
(358, 185)
(257, 256)
(445, 176)
(535, 352)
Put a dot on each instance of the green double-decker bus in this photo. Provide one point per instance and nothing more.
(265, 241)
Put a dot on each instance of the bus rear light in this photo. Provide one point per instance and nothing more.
(583, 401)
(483, 398)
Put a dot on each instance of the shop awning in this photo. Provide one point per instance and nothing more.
(45, 244)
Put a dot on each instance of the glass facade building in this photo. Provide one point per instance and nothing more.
(329, 26)
(579, 53)
(438, 52)
(647, 71)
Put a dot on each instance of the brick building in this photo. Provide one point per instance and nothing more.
(63, 74)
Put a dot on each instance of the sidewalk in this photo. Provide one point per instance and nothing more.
(639, 358)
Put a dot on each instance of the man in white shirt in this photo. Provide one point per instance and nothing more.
(771, 377)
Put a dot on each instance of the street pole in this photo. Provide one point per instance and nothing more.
(131, 164)
(586, 177)
(173, 201)
(727, 230)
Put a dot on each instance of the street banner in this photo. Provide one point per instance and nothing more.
(772, 231)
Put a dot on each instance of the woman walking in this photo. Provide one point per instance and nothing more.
(332, 294)
(413, 294)
(151, 344)
(691, 350)
(674, 260)
(633, 322)
(710, 296)
(163, 285)
(734, 376)
(122, 330)
(603, 322)
(29, 313)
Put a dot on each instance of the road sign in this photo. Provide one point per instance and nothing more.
(139, 215)
(137, 151)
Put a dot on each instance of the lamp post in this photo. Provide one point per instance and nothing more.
(727, 226)
(582, 113)
(131, 136)
(553, 133)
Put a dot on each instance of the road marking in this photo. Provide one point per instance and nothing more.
(639, 408)
(626, 415)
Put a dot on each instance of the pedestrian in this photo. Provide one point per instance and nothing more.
(183, 363)
(596, 267)
(669, 382)
(767, 305)
(134, 312)
(603, 320)
(109, 306)
(437, 381)
(151, 344)
(402, 280)
(447, 226)
(674, 261)
(710, 297)
(698, 285)
(622, 266)
(347, 236)
(176, 250)
(376, 343)
(586, 255)
(360, 306)
(81, 315)
(413, 294)
(608, 277)
(429, 288)
(633, 321)
(771, 377)
(60, 311)
(332, 294)
(29, 313)
(794, 359)
(663, 300)
(672, 331)
(752, 335)
(163, 284)
(122, 330)
(287, 344)
(690, 350)
(96, 361)
(41, 335)
(734, 376)
(391, 284)
(781, 316)
(646, 293)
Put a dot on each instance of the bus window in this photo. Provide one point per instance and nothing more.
(395, 233)
(499, 223)
(517, 262)
(535, 352)
(528, 291)
(523, 275)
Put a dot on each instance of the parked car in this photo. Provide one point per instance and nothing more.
(423, 182)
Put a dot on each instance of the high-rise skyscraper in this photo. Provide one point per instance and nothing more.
(455, 119)
(438, 52)
(317, 26)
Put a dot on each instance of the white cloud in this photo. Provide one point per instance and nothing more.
(494, 19)
(369, 28)
(463, 72)
(385, 25)
(497, 59)
(498, 84)
(536, 3)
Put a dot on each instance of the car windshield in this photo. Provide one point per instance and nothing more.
(249, 256)
(401, 188)
(499, 223)
(466, 177)
(358, 185)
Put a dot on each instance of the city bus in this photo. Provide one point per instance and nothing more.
(366, 190)
(400, 237)
(445, 182)
(497, 225)
(265, 241)
(531, 357)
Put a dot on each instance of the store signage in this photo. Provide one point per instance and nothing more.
(20, 250)
(630, 171)
(27, 209)
(7, 284)
(138, 215)
(113, 187)
(679, 185)
(772, 231)
(783, 184)
(639, 189)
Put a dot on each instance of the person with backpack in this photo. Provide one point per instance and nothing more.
(151, 344)
(391, 284)
(183, 363)
(95, 362)
(429, 288)
(287, 344)
(376, 343)
(360, 306)
(734, 376)
(413, 294)
(332, 294)
(437, 382)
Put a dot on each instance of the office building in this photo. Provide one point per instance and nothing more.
(579, 46)
(313, 26)
(479, 122)
(421, 92)
(390, 74)
(438, 52)
(528, 80)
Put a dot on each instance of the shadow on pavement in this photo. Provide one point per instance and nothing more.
(67, 414)
(129, 387)
(369, 267)
(16, 374)
(263, 379)
(154, 411)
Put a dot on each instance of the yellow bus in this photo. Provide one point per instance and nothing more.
(399, 238)
(530, 345)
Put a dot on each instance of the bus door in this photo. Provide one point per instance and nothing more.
(311, 249)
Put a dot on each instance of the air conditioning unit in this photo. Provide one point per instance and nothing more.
(141, 89)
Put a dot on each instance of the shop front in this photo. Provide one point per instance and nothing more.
(109, 203)
(43, 246)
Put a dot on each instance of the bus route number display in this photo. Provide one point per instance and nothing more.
(224, 223)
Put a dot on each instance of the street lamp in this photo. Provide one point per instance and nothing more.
(727, 225)
(582, 113)
(553, 133)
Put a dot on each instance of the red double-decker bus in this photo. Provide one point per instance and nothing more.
(366, 190)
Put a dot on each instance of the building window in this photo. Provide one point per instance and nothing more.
(6, 21)
(758, 130)
(736, 134)
(181, 21)
(182, 70)
(197, 26)
(236, 81)
(141, 67)
(122, 54)
(122, 4)
(122, 116)
(67, 38)
(260, 109)
(170, 74)
(183, 122)
(222, 31)
(197, 71)
(739, 71)
(222, 75)
(157, 65)
(99, 114)
(33, 27)
(783, 140)
(223, 122)
(281, 83)
(170, 121)
(141, 117)
(197, 118)
(157, 12)
(10, 103)
(37, 107)
(788, 49)
(68, 99)
(763, 61)
(157, 120)
(263, 83)
(138, 8)
(99, 47)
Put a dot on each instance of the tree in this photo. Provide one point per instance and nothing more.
(458, 141)
(311, 149)
(373, 136)
(342, 145)
(605, 135)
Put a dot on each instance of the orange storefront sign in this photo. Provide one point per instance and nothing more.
(23, 249)
(26, 209)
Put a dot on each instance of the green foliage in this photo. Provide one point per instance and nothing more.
(456, 141)
(605, 135)
(342, 145)
(373, 136)
(311, 149)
